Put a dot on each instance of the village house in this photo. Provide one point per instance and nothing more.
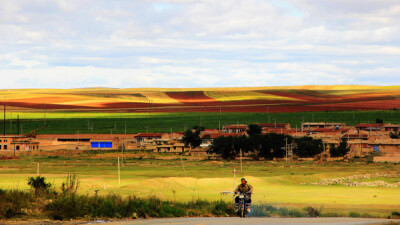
(83, 141)
(265, 126)
(369, 126)
(18, 143)
(235, 129)
(207, 139)
(210, 131)
(151, 136)
(170, 147)
(349, 137)
(176, 135)
(391, 127)
(312, 125)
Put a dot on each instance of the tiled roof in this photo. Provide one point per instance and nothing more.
(216, 135)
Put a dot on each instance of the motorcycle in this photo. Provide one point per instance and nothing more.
(242, 208)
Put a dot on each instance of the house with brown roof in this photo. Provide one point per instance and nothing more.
(274, 125)
(276, 130)
(210, 131)
(151, 136)
(312, 125)
(391, 127)
(369, 126)
(18, 143)
(170, 148)
(207, 139)
(236, 129)
(349, 137)
(84, 141)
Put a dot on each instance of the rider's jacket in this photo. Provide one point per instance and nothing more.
(244, 188)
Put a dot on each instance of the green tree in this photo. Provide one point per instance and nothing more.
(339, 151)
(394, 135)
(224, 147)
(271, 145)
(254, 129)
(39, 185)
(192, 137)
(307, 147)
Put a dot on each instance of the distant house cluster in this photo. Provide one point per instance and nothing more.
(362, 138)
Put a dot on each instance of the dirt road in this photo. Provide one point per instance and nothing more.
(255, 221)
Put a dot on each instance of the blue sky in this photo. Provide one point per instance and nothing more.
(198, 43)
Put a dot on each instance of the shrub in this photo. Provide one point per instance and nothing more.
(312, 212)
(68, 207)
(71, 185)
(39, 185)
(13, 203)
(395, 214)
(354, 214)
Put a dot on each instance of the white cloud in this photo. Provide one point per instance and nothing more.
(169, 43)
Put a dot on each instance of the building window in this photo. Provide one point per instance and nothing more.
(101, 144)
(5, 140)
(5, 147)
(18, 147)
(0, 147)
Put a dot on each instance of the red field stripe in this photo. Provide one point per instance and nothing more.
(191, 97)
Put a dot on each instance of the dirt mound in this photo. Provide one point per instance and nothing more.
(9, 157)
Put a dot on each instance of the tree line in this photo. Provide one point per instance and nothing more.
(268, 146)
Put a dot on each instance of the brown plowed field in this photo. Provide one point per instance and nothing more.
(294, 99)
(191, 97)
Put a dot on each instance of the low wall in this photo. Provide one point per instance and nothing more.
(387, 159)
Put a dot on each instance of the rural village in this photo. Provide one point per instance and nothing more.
(363, 139)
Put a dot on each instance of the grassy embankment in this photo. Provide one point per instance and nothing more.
(101, 122)
(276, 183)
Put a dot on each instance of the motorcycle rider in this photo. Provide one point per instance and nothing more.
(244, 188)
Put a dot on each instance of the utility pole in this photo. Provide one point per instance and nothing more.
(119, 173)
(122, 156)
(18, 127)
(44, 114)
(219, 121)
(4, 121)
(241, 168)
(286, 148)
(234, 178)
(183, 167)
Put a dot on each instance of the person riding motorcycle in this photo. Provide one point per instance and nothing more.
(244, 188)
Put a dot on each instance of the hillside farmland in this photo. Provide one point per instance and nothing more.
(262, 99)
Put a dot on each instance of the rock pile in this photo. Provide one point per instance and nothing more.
(356, 180)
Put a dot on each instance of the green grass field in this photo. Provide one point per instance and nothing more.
(274, 183)
(74, 122)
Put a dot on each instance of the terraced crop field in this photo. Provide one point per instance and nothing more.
(261, 99)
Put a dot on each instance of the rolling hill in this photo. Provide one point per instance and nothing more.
(254, 99)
